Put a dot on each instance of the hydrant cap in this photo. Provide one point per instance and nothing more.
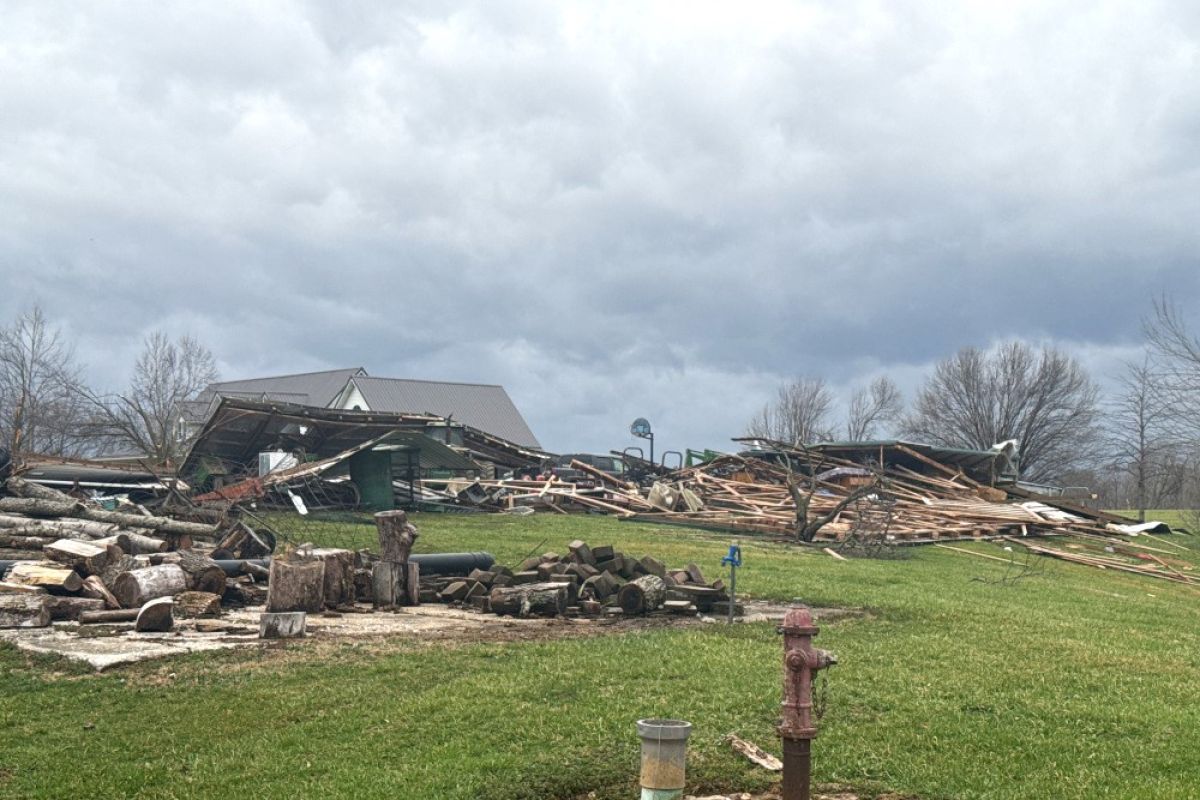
(663, 729)
(798, 617)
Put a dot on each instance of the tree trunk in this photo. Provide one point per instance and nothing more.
(51, 577)
(20, 610)
(155, 616)
(117, 568)
(25, 542)
(530, 600)
(86, 558)
(57, 528)
(643, 595)
(136, 587)
(396, 536)
(141, 544)
(296, 586)
(94, 587)
(40, 508)
(19, 487)
(202, 573)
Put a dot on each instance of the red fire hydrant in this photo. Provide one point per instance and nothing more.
(798, 728)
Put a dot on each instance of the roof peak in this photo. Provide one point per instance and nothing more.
(421, 380)
(298, 375)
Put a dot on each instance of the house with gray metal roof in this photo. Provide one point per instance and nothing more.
(486, 407)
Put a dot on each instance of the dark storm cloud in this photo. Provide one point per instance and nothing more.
(640, 209)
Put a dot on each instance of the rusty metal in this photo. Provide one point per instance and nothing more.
(801, 661)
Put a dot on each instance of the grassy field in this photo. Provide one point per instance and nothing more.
(963, 678)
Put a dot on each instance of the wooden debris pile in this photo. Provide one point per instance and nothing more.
(587, 581)
(77, 561)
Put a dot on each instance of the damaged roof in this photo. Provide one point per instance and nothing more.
(484, 406)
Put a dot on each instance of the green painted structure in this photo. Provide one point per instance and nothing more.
(371, 472)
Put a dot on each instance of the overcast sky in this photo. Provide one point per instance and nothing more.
(614, 210)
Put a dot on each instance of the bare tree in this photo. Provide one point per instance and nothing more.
(872, 406)
(799, 415)
(148, 418)
(1137, 439)
(1043, 399)
(41, 408)
(1177, 373)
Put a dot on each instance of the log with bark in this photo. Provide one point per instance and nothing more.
(296, 585)
(530, 600)
(642, 595)
(190, 605)
(19, 487)
(107, 617)
(69, 608)
(202, 573)
(118, 567)
(339, 575)
(396, 535)
(25, 542)
(138, 586)
(21, 610)
(54, 578)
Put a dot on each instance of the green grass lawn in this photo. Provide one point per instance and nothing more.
(1064, 682)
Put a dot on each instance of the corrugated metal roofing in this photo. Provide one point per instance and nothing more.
(483, 406)
(307, 388)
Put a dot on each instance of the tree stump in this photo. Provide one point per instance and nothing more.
(396, 536)
(339, 575)
(296, 586)
(134, 588)
(643, 595)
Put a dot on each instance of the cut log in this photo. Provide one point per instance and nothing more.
(582, 553)
(202, 573)
(141, 544)
(40, 508)
(25, 542)
(190, 605)
(51, 577)
(412, 583)
(19, 487)
(530, 600)
(119, 540)
(387, 584)
(5, 586)
(57, 528)
(135, 588)
(69, 608)
(339, 575)
(396, 536)
(156, 616)
(116, 568)
(94, 587)
(86, 558)
(289, 625)
(643, 595)
(20, 610)
(243, 592)
(106, 617)
(163, 525)
(296, 586)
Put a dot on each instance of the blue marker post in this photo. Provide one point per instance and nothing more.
(734, 560)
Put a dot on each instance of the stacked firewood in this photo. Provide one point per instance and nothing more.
(77, 561)
(586, 581)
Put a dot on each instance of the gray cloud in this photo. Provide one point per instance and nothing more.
(635, 209)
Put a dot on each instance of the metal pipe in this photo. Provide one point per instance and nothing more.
(664, 757)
